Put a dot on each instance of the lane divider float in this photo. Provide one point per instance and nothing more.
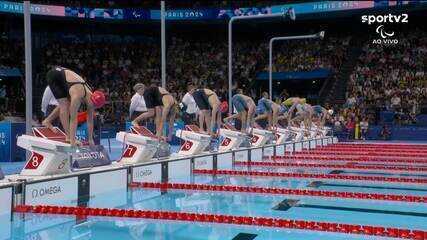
(281, 191)
(334, 166)
(228, 219)
(312, 176)
(364, 153)
(322, 157)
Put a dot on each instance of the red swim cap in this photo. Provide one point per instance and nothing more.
(98, 99)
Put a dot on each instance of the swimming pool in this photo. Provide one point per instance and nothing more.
(240, 202)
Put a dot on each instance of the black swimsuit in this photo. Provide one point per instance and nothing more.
(201, 99)
(152, 97)
(57, 82)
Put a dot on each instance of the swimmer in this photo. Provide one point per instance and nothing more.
(304, 111)
(268, 110)
(161, 106)
(321, 114)
(71, 90)
(208, 103)
(245, 107)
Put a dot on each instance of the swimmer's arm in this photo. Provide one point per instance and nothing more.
(275, 109)
(261, 116)
(89, 121)
(243, 116)
(74, 107)
(323, 119)
(291, 110)
(236, 115)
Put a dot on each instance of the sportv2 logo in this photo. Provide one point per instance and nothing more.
(386, 36)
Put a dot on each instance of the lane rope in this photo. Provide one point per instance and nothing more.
(281, 191)
(313, 176)
(322, 157)
(228, 219)
(333, 166)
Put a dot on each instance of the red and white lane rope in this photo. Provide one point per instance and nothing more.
(322, 157)
(363, 153)
(281, 191)
(229, 219)
(386, 150)
(314, 176)
(383, 145)
(334, 166)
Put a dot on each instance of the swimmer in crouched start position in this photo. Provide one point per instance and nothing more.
(71, 90)
(209, 105)
(161, 106)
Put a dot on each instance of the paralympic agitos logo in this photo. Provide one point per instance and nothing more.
(386, 36)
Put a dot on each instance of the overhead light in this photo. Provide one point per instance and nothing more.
(321, 34)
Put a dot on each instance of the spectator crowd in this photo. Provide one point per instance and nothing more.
(117, 66)
(383, 79)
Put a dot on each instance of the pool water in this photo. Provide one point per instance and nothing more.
(351, 211)
(396, 214)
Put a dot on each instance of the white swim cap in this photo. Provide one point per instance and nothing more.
(331, 112)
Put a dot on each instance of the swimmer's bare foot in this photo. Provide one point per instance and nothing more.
(49, 125)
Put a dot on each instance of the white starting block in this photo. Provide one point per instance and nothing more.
(325, 131)
(284, 135)
(141, 145)
(232, 138)
(299, 133)
(312, 133)
(261, 137)
(49, 152)
(194, 141)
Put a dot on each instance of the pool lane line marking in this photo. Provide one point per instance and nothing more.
(317, 184)
(245, 236)
(362, 153)
(377, 173)
(312, 176)
(287, 204)
(322, 157)
(282, 191)
(338, 166)
(228, 219)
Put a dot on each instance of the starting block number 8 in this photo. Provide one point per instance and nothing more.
(186, 146)
(35, 161)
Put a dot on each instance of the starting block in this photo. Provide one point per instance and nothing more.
(52, 154)
(194, 141)
(261, 137)
(232, 138)
(284, 135)
(141, 145)
(299, 133)
(324, 131)
(49, 153)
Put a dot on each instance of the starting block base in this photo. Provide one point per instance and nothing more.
(194, 141)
